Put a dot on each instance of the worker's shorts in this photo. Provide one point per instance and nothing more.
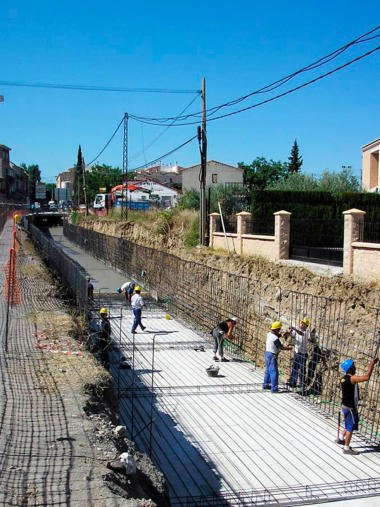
(351, 419)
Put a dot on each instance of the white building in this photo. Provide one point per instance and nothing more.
(158, 191)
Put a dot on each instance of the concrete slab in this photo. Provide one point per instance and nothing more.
(222, 440)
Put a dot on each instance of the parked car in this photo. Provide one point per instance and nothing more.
(53, 206)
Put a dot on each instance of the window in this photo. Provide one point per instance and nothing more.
(214, 178)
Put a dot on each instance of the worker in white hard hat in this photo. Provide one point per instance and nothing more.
(301, 337)
(272, 349)
(137, 303)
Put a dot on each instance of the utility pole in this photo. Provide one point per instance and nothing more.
(125, 167)
(202, 138)
(84, 185)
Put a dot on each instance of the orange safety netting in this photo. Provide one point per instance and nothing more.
(14, 241)
(11, 290)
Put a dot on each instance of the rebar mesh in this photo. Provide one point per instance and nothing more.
(205, 296)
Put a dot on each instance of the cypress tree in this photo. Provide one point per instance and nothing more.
(78, 179)
(295, 159)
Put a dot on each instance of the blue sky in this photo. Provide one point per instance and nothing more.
(238, 47)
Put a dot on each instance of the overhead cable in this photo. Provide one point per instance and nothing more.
(272, 86)
(296, 88)
(135, 155)
(292, 90)
(108, 142)
(94, 88)
(164, 156)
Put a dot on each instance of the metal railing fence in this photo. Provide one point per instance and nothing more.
(261, 227)
(230, 225)
(71, 273)
(369, 232)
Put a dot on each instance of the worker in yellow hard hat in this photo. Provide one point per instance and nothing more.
(137, 303)
(302, 337)
(272, 349)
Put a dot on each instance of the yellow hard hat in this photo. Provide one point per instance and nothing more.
(305, 321)
(137, 288)
(276, 325)
(16, 217)
(103, 311)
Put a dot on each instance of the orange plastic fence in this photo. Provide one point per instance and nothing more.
(11, 290)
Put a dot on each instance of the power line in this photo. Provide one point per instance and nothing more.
(272, 86)
(292, 90)
(165, 155)
(163, 132)
(119, 125)
(94, 88)
(296, 88)
(108, 142)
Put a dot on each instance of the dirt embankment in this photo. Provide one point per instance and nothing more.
(170, 237)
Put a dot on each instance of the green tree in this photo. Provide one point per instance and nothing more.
(296, 181)
(103, 176)
(262, 173)
(78, 194)
(343, 181)
(295, 159)
(34, 177)
(189, 199)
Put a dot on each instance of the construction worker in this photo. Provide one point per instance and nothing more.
(349, 384)
(104, 338)
(272, 349)
(137, 303)
(90, 288)
(301, 337)
(218, 332)
(127, 288)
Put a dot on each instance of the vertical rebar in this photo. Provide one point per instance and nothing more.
(133, 386)
(151, 400)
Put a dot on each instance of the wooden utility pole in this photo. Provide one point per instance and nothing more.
(202, 179)
(84, 185)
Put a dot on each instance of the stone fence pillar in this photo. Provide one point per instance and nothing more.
(353, 219)
(281, 235)
(213, 219)
(242, 221)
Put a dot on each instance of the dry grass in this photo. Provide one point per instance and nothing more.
(33, 270)
(78, 371)
(58, 321)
